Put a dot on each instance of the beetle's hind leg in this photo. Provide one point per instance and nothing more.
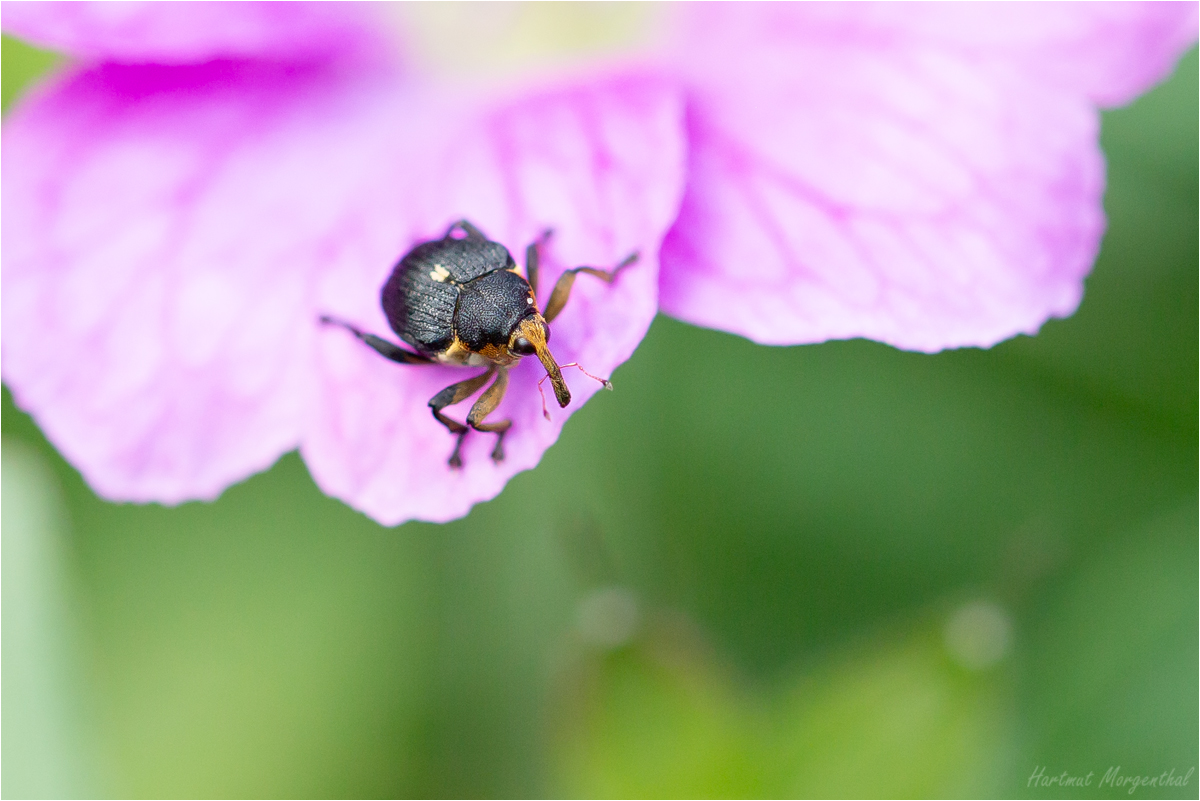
(562, 289)
(487, 404)
(380, 345)
(456, 393)
(467, 228)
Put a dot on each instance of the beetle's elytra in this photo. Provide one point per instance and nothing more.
(461, 300)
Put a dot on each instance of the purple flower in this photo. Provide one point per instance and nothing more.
(185, 202)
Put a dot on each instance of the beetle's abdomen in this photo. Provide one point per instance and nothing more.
(419, 309)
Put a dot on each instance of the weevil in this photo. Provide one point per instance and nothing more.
(461, 300)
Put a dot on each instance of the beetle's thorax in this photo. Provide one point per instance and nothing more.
(488, 308)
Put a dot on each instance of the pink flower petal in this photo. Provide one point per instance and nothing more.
(1110, 52)
(161, 232)
(890, 173)
(173, 234)
(183, 32)
(601, 165)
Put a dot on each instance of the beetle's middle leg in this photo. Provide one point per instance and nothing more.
(487, 404)
(456, 393)
(562, 289)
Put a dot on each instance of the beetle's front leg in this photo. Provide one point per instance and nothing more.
(487, 404)
(449, 396)
(562, 289)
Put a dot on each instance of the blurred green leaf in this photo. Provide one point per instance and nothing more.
(655, 721)
(1111, 667)
(21, 64)
(897, 721)
(891, 717)
(47, 750)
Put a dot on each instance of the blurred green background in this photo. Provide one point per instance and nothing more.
(907, 575)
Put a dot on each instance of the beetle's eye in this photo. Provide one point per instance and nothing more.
(523, 346)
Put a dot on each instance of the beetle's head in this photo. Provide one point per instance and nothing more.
(529, 337)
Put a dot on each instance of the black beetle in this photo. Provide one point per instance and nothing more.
(461, 300)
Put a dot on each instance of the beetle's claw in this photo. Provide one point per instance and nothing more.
(455, 460)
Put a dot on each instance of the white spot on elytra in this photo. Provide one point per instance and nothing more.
(439, 273)
(529, 301)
